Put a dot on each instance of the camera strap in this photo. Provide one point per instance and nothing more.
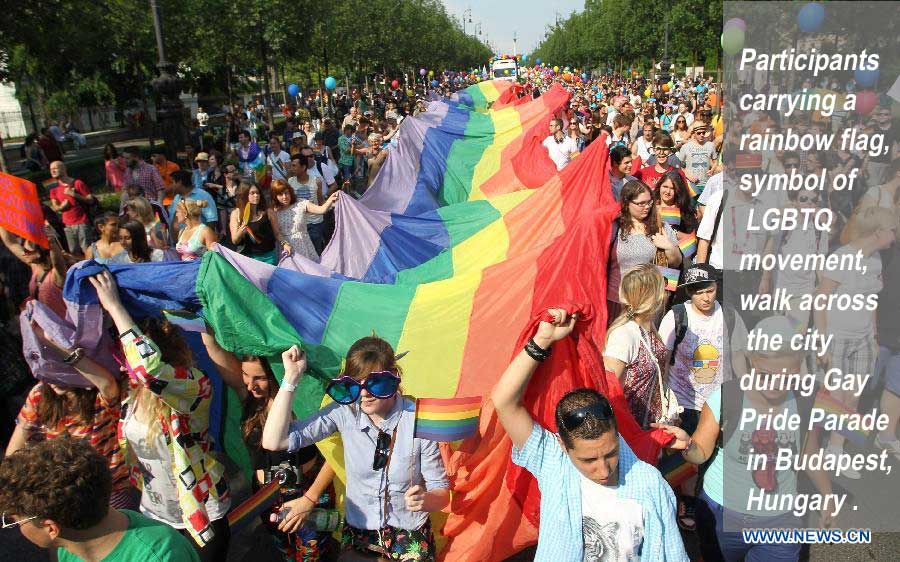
(387, 466)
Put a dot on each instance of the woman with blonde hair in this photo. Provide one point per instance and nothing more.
(634, 351)
(139, 209)
(164, 425)
(196, 238)
(377, 155)
(394, 479)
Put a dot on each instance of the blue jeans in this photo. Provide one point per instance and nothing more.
(731, 544)
(317, 235)
(346, 171)
(888, 367)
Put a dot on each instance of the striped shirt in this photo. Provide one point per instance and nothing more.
(100, 433)
(560, 537)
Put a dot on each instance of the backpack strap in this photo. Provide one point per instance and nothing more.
(680, 313)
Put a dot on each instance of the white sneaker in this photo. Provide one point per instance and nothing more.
(848, 472)
(892, 447)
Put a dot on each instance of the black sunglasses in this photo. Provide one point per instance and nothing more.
(573, 419)
(382, 450)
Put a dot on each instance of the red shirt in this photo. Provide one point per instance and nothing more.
(650, 175)
(74, 213)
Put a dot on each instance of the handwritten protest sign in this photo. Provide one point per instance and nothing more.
(20, 210)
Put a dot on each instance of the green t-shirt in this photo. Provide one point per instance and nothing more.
(145, 540)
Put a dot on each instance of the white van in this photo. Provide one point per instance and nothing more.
(505, 69)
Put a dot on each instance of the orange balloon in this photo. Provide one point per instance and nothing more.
(713, 100)
(665, 87)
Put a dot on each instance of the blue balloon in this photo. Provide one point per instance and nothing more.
(524, 58)
(293, 90)
(434, 83)
(811, 17)
(866, 78)
(537, 61)
(330, 83)
(584, 75)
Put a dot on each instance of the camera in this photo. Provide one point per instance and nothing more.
(286, 474)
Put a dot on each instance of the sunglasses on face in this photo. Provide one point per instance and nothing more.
(380, 384)
(382, 450)
(573, 419)
(807, 199)
(643, 203)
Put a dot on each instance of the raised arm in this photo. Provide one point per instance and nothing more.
(323, 208)
(275, 432)
(179, 387)
(510, 389)
(228, 365)
(94, 372)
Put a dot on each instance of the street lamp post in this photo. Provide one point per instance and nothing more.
(169, 109)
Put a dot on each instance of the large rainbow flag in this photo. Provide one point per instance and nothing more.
(467, 235)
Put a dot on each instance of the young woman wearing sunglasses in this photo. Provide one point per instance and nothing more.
(393, 479)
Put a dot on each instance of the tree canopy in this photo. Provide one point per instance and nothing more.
(64, 54)
(608, 33)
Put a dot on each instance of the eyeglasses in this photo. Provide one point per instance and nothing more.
(646, 203)
(662, 149)
(382, 450)
(807, 199)
(8, 524)
(380, 384)
(573, 419)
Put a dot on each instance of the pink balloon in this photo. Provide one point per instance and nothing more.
(866, 101)
(395, 84)
(736, 22)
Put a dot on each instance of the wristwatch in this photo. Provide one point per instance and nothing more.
(74, 357)
(288, 386)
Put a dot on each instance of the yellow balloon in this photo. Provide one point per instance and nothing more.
(555, 69)
(647, 93)
(430, 73)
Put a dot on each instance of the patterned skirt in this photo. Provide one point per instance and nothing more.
(391, 543)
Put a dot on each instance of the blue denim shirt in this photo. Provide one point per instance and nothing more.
(413, 462)
(560, 536)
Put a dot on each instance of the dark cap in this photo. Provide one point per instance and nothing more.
(698, 274)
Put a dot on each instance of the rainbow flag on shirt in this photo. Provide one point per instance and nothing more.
(671, 276)
(671, 215)
(687, 242)
(447, 419)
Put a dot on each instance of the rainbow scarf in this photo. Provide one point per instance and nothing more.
(443, 258)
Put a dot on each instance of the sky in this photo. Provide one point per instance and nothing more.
(501, 18)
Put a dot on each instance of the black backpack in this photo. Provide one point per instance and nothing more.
(681, 324)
